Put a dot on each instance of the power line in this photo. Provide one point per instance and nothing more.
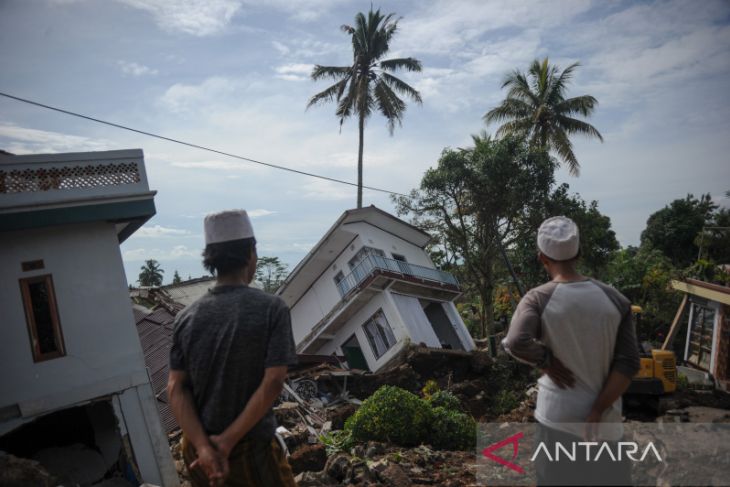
(195, 146)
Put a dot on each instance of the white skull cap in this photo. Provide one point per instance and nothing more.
(558, 238)
(226, 226)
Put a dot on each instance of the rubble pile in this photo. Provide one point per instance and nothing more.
(20, 472)
(317, 400)
(381, 464)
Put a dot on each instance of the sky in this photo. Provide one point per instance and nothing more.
(234, 75)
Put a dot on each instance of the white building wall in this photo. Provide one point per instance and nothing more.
(355, 325)
(103, 353)
(375, 237)
(94, 311)
(323, 295)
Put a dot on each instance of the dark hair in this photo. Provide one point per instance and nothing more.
(226, 257)
(572, 259)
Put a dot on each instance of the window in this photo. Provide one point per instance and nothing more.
(41, 315)
(363, 253)
(380, 335)
(341, 283)
(701, 334)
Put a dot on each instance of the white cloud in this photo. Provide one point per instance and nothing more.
(24, 140)
(196, 17)
(454, 28)
(294, 71)
(281, 48)
(135, 69)
(322, 190)
(158, 231)
(259, 213)
(183, 97)
(175, 253)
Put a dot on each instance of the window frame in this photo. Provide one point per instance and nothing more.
(38, 356)
(385, 337)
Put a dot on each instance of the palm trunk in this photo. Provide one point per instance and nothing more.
(359, 161)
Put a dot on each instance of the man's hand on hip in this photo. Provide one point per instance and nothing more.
(559, 373)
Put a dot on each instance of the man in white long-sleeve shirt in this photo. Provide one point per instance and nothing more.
(579, 333)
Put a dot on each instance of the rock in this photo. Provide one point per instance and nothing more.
(308, 458)
(339, 415)
(21, 472)
(394, 475)
(374, 449)
(480, 361)
(73, 464)
(313, 479)
(359, 473)
(295, 437)
(337, 466)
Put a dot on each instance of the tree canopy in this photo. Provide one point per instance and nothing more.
(473, 201)
(673, 230)
(151, 274)
(270, 272)
(368, 84)
(538, 108)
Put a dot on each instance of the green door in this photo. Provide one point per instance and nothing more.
(353, 354)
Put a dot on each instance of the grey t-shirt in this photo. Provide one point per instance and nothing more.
(224, 341)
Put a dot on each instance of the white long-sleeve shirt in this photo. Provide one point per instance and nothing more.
(587, 325)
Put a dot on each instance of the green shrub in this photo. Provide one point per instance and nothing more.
(505, 401)
(393, 415)
(446, 400)
(337, 441)
(452, 430)
(430, 389)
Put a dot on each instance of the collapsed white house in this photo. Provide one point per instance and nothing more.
(368, 288)
(73, 382)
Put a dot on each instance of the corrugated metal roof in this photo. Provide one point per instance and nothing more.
(155, 336)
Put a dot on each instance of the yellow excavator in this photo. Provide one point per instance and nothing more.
(657, 374)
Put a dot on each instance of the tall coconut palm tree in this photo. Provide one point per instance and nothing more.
(368, 85)
(536, 107)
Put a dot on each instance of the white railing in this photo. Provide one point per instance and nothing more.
(371, 263)
(54, 178)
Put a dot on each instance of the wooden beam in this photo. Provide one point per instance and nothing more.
(706, 290)
(675, 324)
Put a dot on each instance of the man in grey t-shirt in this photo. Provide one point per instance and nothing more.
(579, 333)
(228, 363)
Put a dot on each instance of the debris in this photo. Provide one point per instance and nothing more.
(394, 475)
(21, 472)
(308, 458)
(337, 466)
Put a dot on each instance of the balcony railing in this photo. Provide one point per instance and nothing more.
(54, 178)
(373, 263)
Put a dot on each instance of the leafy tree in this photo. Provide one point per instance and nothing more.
(597, 239)
(673, 230)
(368, 84)
(536, 107)
(176, 279)
(151, 274)
(473, 200)
(271, 272)
(713, 241)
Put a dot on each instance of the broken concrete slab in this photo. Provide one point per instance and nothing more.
(73, 464)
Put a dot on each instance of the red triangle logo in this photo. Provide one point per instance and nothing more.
(514, 440)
